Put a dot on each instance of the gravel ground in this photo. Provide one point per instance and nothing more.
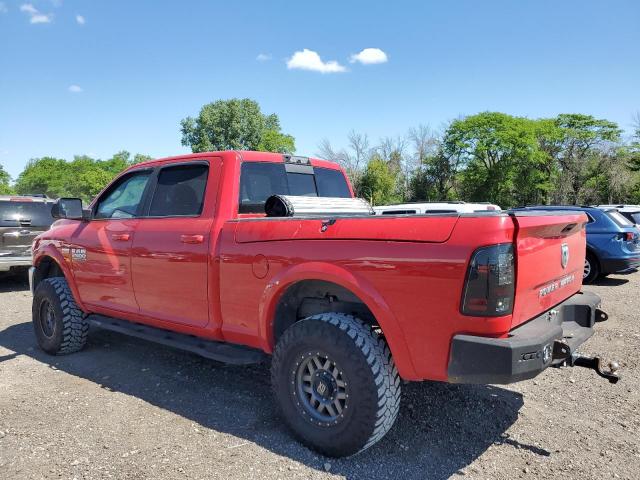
(125, 408)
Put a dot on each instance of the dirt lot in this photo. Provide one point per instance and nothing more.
(125, 408)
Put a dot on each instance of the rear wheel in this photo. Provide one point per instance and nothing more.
(336, 383)
(591, 269)
(59, 324)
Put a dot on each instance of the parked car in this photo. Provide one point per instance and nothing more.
(419, 208)
(632, 212)
(22, 217)
(613, 242)
(230, 255)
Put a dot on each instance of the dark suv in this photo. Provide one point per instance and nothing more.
(22, 217)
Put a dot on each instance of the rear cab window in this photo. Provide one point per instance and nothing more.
(260, 180)
(33, 213)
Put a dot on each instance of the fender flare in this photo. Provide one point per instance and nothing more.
(51, 251)
(359, 286)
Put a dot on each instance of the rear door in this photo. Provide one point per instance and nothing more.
(170, 255)
(20, 222)
(550, 252)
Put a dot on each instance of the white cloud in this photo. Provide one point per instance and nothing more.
(263, 57)
(3, 8)
(369, 56)
(35, 16)
(80, 19)
(310, 60)
(75, 89)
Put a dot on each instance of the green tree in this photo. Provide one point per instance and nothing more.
(378, 183)
(235, 124)
(499, 157)
(581, 138)
(48, 175)
(83, 177)
(5, 182)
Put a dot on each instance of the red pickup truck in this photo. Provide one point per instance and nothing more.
(181, 252)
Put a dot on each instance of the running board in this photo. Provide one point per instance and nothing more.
(220, 351)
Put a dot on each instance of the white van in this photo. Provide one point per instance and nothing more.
(420, 208)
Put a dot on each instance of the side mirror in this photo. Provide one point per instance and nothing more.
(69, 208)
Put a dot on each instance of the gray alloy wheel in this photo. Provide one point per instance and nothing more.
(587, 269)
(591, 269)
(59, 324)
(321, 386)
(336, 383)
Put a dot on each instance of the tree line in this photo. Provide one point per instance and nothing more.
(83, 177)
(489, 156)
(498, 158)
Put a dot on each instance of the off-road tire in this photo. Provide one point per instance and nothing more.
(69, 328)
(373, 383)
(594, 271)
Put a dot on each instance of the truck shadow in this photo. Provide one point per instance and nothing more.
(610, 282)
(442, 428)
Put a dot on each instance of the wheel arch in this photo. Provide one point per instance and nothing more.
(282, 303)
(48, 263)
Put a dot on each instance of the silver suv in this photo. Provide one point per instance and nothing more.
(22, 217)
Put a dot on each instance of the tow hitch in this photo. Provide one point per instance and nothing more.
(595, 363)
(563, 357)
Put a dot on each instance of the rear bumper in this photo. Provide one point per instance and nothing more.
(7, 263)
(620, 265)
(547, 340)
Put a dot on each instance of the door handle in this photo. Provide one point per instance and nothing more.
(192, 239)
(120, 237)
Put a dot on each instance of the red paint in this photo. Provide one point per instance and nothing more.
(220, 275)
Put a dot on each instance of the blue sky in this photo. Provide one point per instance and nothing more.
(142, 66)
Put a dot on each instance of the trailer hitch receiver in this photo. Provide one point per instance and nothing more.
(595, 363)
(563, 356)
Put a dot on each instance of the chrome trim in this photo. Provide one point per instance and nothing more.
(31, 273)
(7, 262)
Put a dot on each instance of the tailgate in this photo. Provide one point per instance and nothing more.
(16, 242)
(550, 251)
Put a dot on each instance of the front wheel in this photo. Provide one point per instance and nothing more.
(336, 383)
(60, 326)
(591, 269)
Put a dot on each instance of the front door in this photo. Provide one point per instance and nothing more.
(101, 249)
(170, 254)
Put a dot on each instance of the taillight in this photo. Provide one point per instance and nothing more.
(490, 282)
(629, 236)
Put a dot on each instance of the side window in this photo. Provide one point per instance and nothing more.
(331, 183)
(180, 191)
(123, 199)
(398, 212)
